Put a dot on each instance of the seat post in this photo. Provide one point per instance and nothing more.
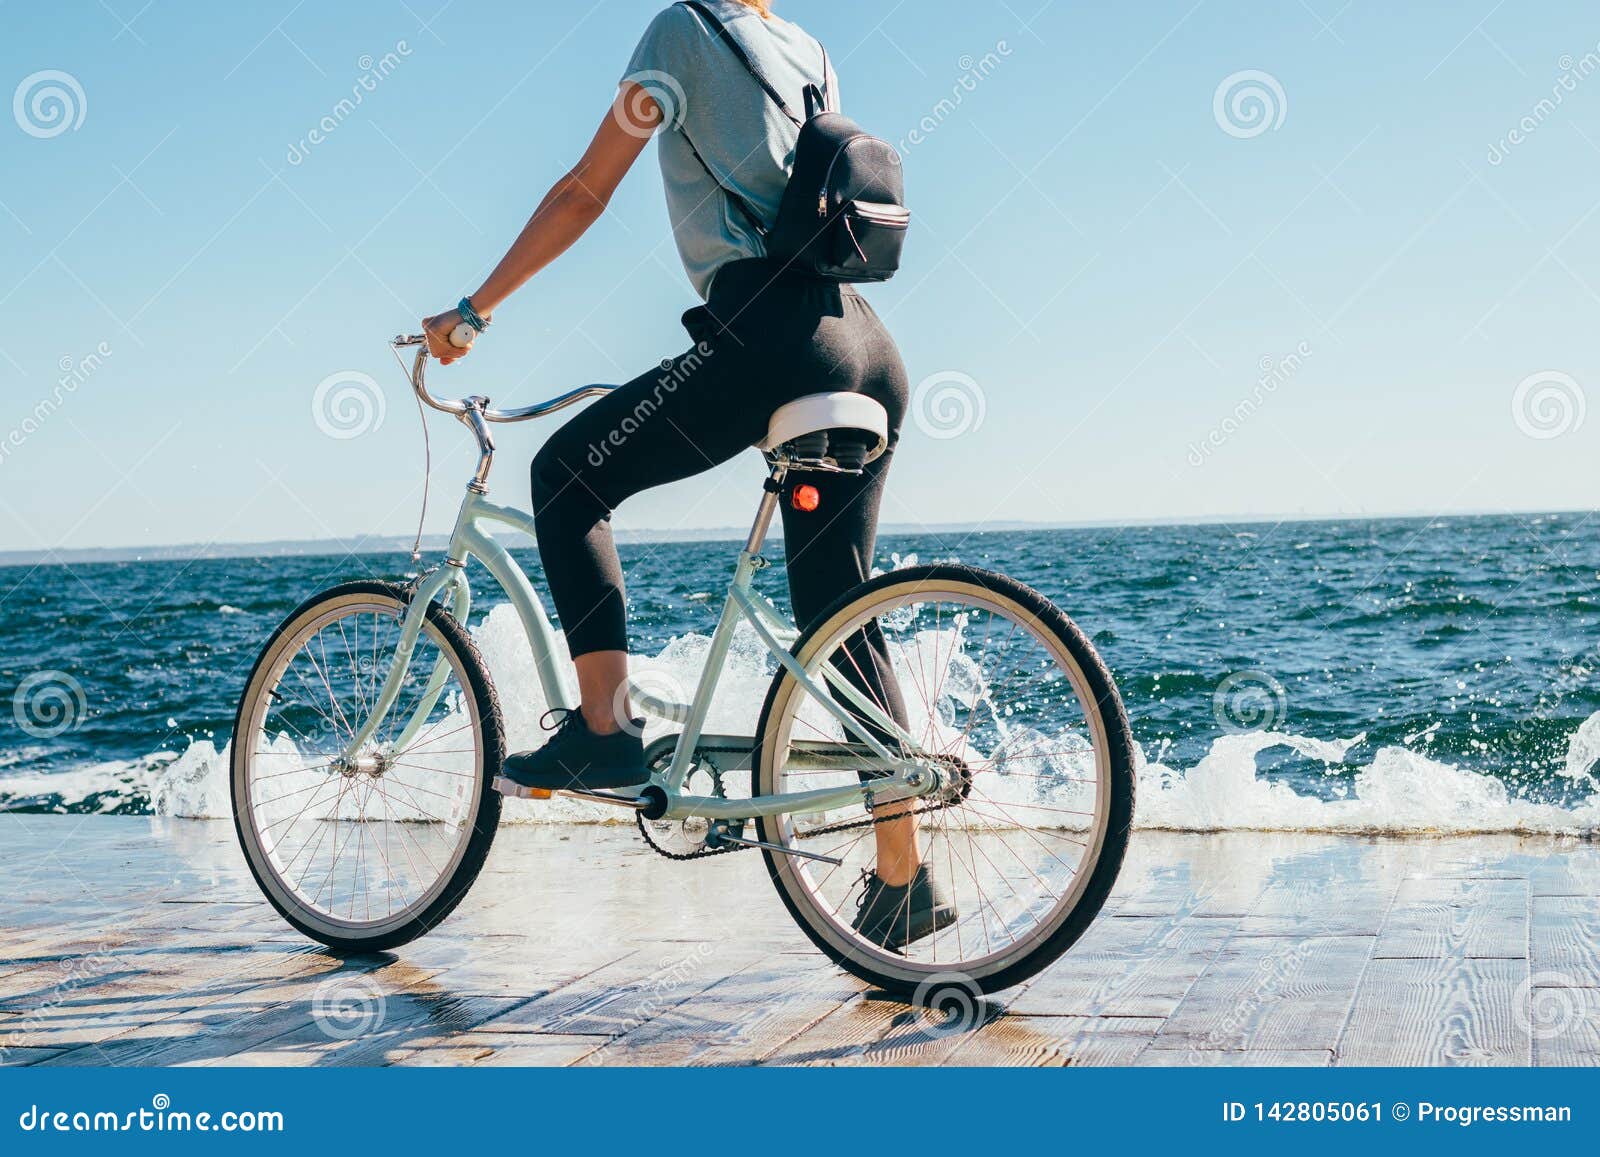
(769, 504)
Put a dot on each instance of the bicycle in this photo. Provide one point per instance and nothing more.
(369, 738)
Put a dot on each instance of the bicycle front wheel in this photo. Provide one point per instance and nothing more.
(1008, 700)
(369, 853)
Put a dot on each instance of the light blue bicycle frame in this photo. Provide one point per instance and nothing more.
(902, 777)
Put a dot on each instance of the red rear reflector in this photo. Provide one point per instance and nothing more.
(805, 498)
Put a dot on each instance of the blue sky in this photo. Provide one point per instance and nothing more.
(1097, 258)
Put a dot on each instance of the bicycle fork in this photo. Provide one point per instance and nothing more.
(448, 577)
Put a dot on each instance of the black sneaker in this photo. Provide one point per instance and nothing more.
(893, 915)
(576, 757)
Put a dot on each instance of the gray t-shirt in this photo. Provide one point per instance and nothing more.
(706, 96)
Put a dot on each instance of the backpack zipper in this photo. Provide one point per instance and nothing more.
(877, 213)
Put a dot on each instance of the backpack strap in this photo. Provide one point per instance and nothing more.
(816, 101)
(739, 202)
(726, 37)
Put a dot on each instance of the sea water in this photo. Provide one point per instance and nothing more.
(1399, 675)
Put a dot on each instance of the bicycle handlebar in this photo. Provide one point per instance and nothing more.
(461, 407)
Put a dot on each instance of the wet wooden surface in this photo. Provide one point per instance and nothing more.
(145, 942)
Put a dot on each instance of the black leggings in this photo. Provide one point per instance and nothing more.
(763, 339)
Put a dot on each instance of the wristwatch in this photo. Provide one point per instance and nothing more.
(470, 315)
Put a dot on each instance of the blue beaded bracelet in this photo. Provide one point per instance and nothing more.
(470, 315)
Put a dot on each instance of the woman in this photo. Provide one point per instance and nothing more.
(765, 336)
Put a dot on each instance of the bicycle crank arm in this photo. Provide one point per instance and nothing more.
(720, 834)
(514, 789)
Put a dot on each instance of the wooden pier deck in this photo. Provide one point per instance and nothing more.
(144, 942)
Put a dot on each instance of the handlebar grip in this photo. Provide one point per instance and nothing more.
(463, 336)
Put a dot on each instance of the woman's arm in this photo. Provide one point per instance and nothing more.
(573, 203)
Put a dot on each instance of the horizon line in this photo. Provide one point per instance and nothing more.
(394, 543)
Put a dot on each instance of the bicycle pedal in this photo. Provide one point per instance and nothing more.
(515, 790)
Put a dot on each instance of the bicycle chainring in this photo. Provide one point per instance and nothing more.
(685, 839)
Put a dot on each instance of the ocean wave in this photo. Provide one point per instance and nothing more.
(1399, 790)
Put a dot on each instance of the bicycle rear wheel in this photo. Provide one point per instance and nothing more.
(366, 856)
(1009, 699)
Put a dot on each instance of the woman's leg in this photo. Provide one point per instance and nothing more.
(675, 421)
(602, 690)
(830, 550)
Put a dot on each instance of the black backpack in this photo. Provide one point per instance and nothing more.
(843, 214)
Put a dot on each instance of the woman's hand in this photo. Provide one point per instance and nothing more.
(438, 329)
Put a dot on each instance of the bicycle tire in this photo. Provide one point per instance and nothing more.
(448, 634)
(905, 980)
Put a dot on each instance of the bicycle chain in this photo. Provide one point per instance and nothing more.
(679, 857)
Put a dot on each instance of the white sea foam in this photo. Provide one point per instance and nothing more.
(1400, 790)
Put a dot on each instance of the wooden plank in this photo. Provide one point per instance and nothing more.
(620, 997)
(130, 1000)
(1432, 917)
(217, 1020)
(1333, 892)
(1564, 1024)
(617, 956)
(1055, 1041)
(1437, 1012)
(489, 1050)
(1565, 867)
(376, 1033)
(1180, 874)
(1269, 993)
(843, 1037)
(1564, 941)
(874, 1031)
(739, 1020)
(1242, 1058)
(1125, 967)
(21, 1057)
